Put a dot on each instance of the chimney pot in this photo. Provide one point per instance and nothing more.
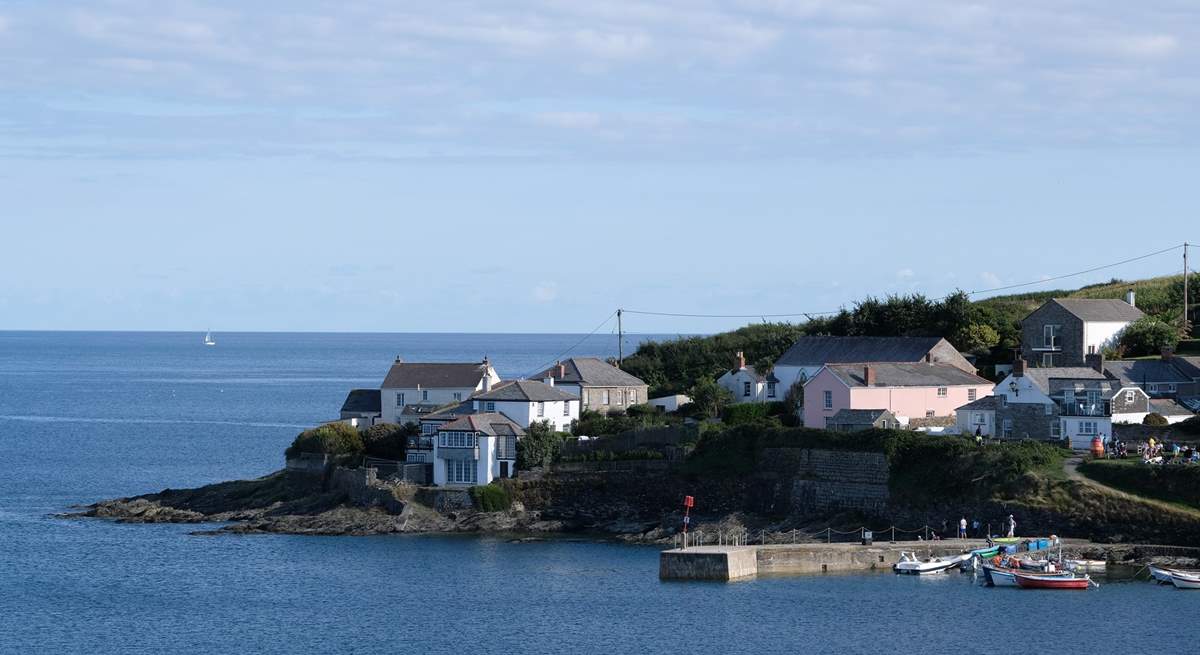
(562, 371)
(1131, 297)
(739, 362)
(1019, 367)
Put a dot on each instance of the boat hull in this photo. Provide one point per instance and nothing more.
(1185, 581)
(1046, 582)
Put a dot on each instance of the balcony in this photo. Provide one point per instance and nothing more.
(1083, 408)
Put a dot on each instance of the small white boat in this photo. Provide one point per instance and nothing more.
(1003, 578)
(1086, 565)
(1163, 575)
(910, 564)
(1185, 580)
(208, 339)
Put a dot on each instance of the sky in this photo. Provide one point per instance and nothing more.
(531, 166)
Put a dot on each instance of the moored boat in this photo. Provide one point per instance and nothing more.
(1026, 581)
(1185, 580)
(910, 564)
(1086, 565)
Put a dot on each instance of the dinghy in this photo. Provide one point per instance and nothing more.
(1086, 565)
(1185, 580)
(910, 564)
(1026, 581)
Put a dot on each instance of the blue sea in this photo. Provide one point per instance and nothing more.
(90, 416)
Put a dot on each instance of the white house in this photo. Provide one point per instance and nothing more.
(529, 401)
(475, 449)
(414, 389)
(748, 385)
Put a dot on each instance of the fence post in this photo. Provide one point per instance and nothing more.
(793, 535)
(893, 534)
(828, 535)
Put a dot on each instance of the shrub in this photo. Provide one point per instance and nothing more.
(539, 447)
(1155, 419)
(1148, 336)
(1190, 426)
(331, 439)
(490, 498)
(744, 413)
(388, 440)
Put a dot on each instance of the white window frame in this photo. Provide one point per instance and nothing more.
(828, 399)
(1129, 395)
(461, 471)
(424, 395)
(400, 399)
(1056, 429)
(606, 397)
(978, 418)
(456, 439)
(1049, 409)
(972, 394)
(942, 392)
(633, 396)
(541, 408)
(1047, 360)
(770, 390)
(1088, 428)
(491, 406)
(566, 408)
(1008, 428)
(458, 396)
(1050, 334)
(929, 413)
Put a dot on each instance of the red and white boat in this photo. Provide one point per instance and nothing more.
(1026, 581)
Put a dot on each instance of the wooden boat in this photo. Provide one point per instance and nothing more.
(910, 564)
(1002, 578)
(1185, 580)
(1039, 565)
(1026, 581)
(999, 576)
(1162, 575)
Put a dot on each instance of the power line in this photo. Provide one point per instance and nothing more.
(575, 345)
(1090, 270)
(635, 311)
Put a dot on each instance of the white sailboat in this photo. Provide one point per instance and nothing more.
(208, 339)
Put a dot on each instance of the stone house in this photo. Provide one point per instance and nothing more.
(1064, 330)
(853, 420)
(600, 386)
(747, 385)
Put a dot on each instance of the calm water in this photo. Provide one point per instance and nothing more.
(90, 416)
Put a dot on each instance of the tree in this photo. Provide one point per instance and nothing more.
(388, 440)
(332, 438)
(976, 338)
(539, 447)
(709, 397)
(1148, 336)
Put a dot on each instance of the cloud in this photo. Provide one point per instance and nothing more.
(904, 273)
(991, 279)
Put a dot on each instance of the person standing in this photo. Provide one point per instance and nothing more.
(975, 527)
(962, 528)
(1012, 526)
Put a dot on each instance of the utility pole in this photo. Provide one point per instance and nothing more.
(621, 334)
(1186, 325)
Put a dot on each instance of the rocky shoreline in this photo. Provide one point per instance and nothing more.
(290, 503)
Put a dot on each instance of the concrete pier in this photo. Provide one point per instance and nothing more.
(740, 562)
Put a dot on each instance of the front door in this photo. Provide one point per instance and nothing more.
(504, 469)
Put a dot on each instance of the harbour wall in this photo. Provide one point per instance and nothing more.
(740, 562)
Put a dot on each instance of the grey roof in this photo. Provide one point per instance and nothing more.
(892, 374)
(451, 411)
(985, 403)
(753, 372)
(589, 372)
(1041, 377)
(418, 409)
(858, 416)
(1107, 388)
(525, 390)
(410, 375)
(362, 400)
(1188, 365)
(1133, 373)
(816, 351)
(1169, 407)
(1108, 310)
(493, 424)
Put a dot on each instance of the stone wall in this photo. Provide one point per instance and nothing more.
(1070, 337)
(818, 481)
(362, 487)
(308, 463)
(1029, 420)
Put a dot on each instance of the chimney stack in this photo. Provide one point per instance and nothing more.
(1095, 361)
(1167, 353)
(560, 371)
(869, 376)
(739, 361)
(549, 381)
(1131, 297)
(1019, 367)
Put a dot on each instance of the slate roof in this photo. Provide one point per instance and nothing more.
(892, 374)
(525, 391)
(1107, 388)
(816, 351)
(1108, 310)
(451, 411)
(1133, 373)
(362, 400)
(753, 372)
(857, 416)
(493, 424)
(1188, 365)
(410, 375)
(1041, 377)
(419, 409)
(590, 372)
(1169, 407)
(982, 404)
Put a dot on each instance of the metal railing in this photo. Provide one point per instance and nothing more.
(743, 537)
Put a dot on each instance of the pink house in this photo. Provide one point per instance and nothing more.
(907, 390)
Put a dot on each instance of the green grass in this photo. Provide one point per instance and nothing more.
(1178, 484)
